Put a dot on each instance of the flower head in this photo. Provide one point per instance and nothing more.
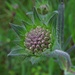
(37, 39)
(34, 36)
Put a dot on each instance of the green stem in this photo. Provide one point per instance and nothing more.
(23, 68)
(60, 25)
(51, 66)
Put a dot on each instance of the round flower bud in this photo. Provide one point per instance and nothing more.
(37, 39)
(43, 9)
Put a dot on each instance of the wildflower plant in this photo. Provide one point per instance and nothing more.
(39, 39)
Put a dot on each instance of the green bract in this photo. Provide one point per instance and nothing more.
(43, 7)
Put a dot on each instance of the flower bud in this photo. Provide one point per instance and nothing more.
(38, 39)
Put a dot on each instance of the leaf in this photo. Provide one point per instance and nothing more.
(35, 60)
(19, 42)
(29, 13)
(25, 23)
(20, 30)
(71, 49)
(56, 45)
(9, 5)
(18, 52)
(51, 17)
(71, 71)
(68, 73)
(36, 15)
(63, 59)
(46, 53)
(39, 57)
(67, 42)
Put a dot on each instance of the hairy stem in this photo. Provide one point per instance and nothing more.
(60, 25)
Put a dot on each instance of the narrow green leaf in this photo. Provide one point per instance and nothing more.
(29, 13)
(36, 15)
(25, 23)
(51, 66)
(46, 52)
(19, 52)
(56, 45)
(51, 17)
(9, 6)
(71, 49)
(35, 60)
(67, 42)
(20, 30)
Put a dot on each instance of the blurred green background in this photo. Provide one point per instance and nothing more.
(13, 11)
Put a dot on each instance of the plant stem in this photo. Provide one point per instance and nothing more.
(60, 25)
(23, 68)
(51, 66)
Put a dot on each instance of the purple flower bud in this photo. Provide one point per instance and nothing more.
(33, 46)
(38, 39)
(39, 42)
(46, 38)
(43, 33)
(35, 43)
(42, 45)
(43, 41)
(31, 42)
